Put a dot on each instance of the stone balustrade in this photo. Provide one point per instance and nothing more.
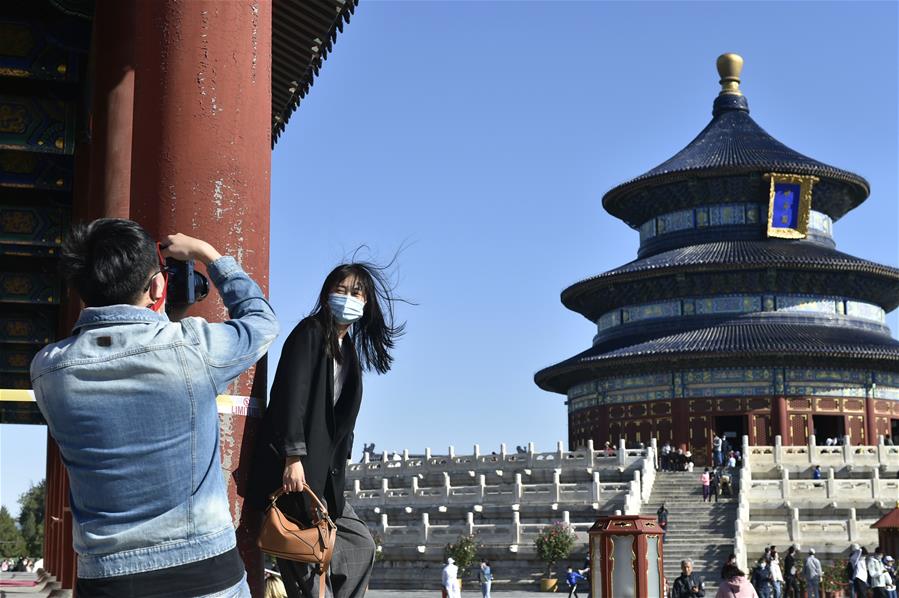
(859, 493)
(826, 535)
(764, 458)
(517, 492)
(509, 532)
(620, 458)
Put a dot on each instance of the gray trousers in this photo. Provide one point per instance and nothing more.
(351, 563)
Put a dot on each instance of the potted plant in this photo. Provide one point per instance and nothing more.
(464, 552)
(554, 543)
(833, 579)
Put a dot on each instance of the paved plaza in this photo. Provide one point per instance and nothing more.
(436, 593)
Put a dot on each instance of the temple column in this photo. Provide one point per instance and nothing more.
(870, 421)
(201, 162)
(781, 421)
(112, 109)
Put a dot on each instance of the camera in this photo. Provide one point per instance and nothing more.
(186, 286)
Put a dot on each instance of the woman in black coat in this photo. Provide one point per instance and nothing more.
(307, 432)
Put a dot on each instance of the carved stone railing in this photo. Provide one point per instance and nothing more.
(509, 532)
(516, 492)
(829, 491)
(619, 458)
(817, 532)
(765, 458)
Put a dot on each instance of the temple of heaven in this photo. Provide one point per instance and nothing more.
(739, 316)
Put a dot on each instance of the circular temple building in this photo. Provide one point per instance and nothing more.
(739, 316)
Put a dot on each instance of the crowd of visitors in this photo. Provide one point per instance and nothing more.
(867, 575)
(681, 459)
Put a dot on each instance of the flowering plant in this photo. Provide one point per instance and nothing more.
(554, 543)
(464, 552)
(833, 577)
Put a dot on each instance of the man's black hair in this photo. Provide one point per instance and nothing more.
(109, 261)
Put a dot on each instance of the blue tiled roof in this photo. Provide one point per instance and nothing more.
(733, 143)
(729, 256)
(736, 342)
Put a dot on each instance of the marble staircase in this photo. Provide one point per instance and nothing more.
(701, 531)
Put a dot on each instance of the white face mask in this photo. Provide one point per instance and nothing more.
(346, 309)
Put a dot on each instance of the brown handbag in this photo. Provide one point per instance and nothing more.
(283, 537)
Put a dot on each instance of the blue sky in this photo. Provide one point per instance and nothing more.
(482, 135)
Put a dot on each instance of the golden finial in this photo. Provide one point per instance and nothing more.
(729, 67)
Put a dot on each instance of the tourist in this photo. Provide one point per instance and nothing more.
(761, 577)
(889, 565)
(688, 461)
(816, 473)
(858, 571)
(676, 460)
(887, 440)
(662, 516)
(732, 460)
(726, 485)
(705, 479)
(716, 451)
(130, 400)
(735, 584)
(812, 572)
(572, 577)
(274, 587)
(731, 560)
(306, 436)
(688, 585)
(449, 580)
(777, 577)
(485, 578)
(791, 588)
(876, 571)
(665, 454)
(714, 484)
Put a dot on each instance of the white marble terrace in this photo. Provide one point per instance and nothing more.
(781, 504)
(498, 506)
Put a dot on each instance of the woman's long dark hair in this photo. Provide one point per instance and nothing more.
(376, 332)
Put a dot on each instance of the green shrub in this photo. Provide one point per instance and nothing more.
(464, 552)
(554, 543)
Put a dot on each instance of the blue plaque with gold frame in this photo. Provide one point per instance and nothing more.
(789, 203)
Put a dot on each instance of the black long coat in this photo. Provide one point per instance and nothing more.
(302, 419)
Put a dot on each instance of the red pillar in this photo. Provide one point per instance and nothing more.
(680, 415)
(780, 417)
(112, 109)
(870, 422)
(201, 160)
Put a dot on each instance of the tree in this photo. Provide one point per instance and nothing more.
(554, 543)
(11, 542)
(31, 518)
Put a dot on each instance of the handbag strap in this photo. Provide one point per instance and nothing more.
(316, 502)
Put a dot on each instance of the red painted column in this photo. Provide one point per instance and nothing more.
(201, 161)
(681, 418)
(870, 421)
(780, 417)
(112, 109)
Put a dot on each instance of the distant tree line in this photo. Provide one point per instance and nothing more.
(24, 537)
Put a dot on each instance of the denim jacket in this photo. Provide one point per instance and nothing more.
(131, 401)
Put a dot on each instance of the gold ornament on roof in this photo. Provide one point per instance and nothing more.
(729, 67)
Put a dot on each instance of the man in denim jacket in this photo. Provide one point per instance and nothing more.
(130, 400)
